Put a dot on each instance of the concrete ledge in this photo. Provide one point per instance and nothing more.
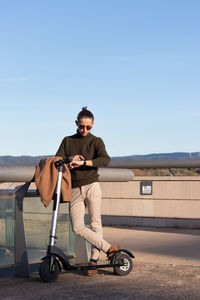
(150, 222)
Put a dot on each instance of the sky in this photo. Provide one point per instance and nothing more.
(134, 64)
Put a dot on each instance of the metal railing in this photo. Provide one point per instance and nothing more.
(116, 171)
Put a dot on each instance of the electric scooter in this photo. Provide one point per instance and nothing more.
(50, 268)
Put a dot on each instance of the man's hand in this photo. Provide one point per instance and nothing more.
(76, 164)
(76, 158)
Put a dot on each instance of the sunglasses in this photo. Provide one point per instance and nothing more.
(85, 126)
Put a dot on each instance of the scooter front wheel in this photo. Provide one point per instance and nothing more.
(123, 264)
(47, 272)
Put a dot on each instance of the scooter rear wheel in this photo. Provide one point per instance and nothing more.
(123, 264)
(46, 274)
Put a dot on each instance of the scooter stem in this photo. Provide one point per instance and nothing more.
(52, 236)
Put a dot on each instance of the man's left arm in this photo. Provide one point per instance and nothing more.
(102, 158)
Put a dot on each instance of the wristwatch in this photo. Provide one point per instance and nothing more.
(84, 162)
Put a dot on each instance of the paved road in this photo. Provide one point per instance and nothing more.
(167, 266)
(158, 246)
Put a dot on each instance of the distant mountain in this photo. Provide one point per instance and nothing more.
(160, 156)
(21, 160)
(33, 160)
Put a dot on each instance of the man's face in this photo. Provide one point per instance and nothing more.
(84, 126)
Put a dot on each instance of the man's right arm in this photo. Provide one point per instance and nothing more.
(62, 152)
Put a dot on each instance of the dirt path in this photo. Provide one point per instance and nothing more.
(145, 282)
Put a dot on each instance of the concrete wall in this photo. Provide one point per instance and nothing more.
(175, 202)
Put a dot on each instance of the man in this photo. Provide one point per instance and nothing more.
(84, 153)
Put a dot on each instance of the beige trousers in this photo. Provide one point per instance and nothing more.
(88, 196)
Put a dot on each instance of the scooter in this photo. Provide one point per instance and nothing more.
(50, 268)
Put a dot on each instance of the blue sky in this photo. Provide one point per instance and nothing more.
(135, 64)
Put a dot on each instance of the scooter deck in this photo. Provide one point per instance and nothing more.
(88, 267)
(52, 250)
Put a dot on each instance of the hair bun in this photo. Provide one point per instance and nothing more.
(85, 113)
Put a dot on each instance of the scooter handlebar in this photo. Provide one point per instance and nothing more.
(60, 165)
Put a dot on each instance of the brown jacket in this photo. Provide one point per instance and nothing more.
(46, 176)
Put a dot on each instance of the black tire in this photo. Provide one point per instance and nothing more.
(122, 258)
(45, 273)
